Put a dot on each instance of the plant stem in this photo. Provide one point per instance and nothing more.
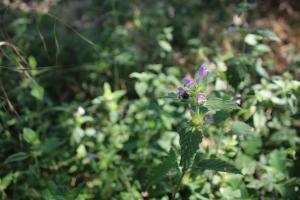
(178, 185)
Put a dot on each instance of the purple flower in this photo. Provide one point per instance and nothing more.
(208, 118)
(201, 98)
(180, 92)
(188, 81)
(91, 156)
(201, 72)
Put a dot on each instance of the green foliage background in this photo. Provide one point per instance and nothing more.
(82, 113)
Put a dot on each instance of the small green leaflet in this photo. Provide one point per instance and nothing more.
(167, 166)
(30, 136)
(220, 104)
(37, 91)
(241, 128)
(215, 164)
(16, 157)
(189, 140)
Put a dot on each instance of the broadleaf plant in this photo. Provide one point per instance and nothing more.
(204, 109)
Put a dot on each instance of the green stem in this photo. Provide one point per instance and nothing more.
(178, 185)
(37, 165)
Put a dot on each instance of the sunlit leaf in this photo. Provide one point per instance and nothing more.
(241, 128)
(220, 104)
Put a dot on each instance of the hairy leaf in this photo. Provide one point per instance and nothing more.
(215, 164)
(189, 143)
(161, 171)
(220, 104)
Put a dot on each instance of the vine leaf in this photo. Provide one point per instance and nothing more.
(168, 167)
(189, 141)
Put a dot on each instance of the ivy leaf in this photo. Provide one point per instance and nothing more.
(241, 128)
(168, 166)
(16, 157)
(189, 140)
(220, 104)
(216, 165)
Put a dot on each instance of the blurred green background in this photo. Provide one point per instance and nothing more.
(82, 113)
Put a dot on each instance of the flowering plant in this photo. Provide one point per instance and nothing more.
(205, 109)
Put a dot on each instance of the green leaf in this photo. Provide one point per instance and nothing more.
(238, 70)
(220, 116)
(118, 94)
(252, 145)
(16, 157)
(170, 95)
(220, 104)
(6, 181)
(189, 140)
(216, 165)
(140, 88)
(268, 34)
(165, 45)
(37, 91)
(251, 39)
(168, 166)
(51, 145)
(32, 62)
(30, 136)
(241, 128)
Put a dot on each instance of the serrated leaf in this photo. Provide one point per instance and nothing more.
(241, 128)
(252, 145)
(161, 171)
(220, 116)
(189, 140)
(16, 157)
(220, 104)
(216, 165)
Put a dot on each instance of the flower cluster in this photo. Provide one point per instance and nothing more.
(194, 90)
